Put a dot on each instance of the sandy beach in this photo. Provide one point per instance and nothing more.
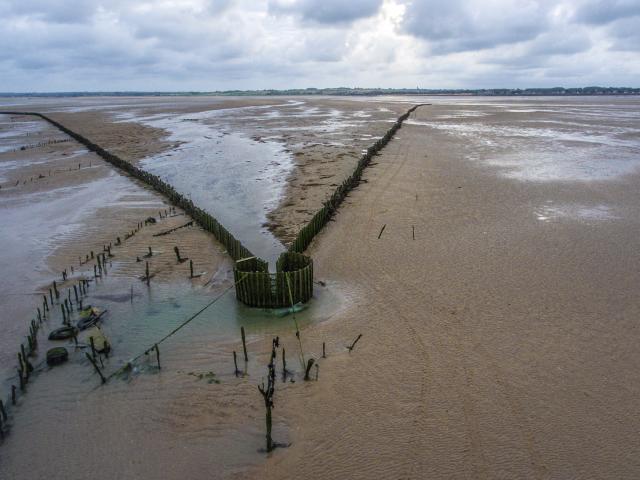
(497, 308)
(495, 344)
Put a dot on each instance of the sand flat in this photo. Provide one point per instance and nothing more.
(495, 345)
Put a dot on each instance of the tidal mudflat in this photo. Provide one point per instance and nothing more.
(497, 307)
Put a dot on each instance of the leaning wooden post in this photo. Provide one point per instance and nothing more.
(310, 363)
(354, 343)
(95, 365)
(55, 290)
(75, 291)
(177, 250)
(244, 344)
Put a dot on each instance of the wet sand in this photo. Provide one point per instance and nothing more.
(496, 344)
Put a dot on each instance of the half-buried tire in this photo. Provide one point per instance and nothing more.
(56, 356)
(63, 333)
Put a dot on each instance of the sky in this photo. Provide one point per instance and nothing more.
(207, 45)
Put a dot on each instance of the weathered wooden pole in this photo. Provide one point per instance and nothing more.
(95, 366)
(244, 344)
(310, 363)
(55, 290)
(191, 268)
(146, 270)
(93, 347)
(75, 291)
(157, 355)
(3, 412)
(235, 363)
(354, 343)
(324, 355)
(13, 395)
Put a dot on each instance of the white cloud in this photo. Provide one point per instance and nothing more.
(49, 45)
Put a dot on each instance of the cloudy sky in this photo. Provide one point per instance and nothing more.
(204, 45)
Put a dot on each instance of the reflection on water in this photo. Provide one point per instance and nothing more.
(235, 178)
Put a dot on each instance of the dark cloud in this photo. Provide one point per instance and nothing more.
(600, 12)
(326, 11)
(465, 25)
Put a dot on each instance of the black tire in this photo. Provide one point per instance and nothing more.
(57, 356)
(63, 333)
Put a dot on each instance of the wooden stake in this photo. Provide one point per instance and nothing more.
(354, 343)
(95, 365)
(13, 394)
(235, 363)
(382, 230)
(157, 355)
(324, 355)
(244, 344)
(310, 363)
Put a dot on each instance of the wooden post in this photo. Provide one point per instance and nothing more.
(146, 270)
(235, 363)
(284, 364)
(95, 365)
(413, 231)
(354, 343)
(75, 291)
(382, 230)
(244, 344)
(3, 412)
(191, 268)
(324, 355)
(64, 314)
(310, 363)
(13, 395)
(177, 250)
(21, 377)
(55, 290)
(157, 355)
(51, 296)
(93, 347)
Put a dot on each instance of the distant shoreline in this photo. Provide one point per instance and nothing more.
(361, 92)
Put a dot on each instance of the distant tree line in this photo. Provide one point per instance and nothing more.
(345, 91)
